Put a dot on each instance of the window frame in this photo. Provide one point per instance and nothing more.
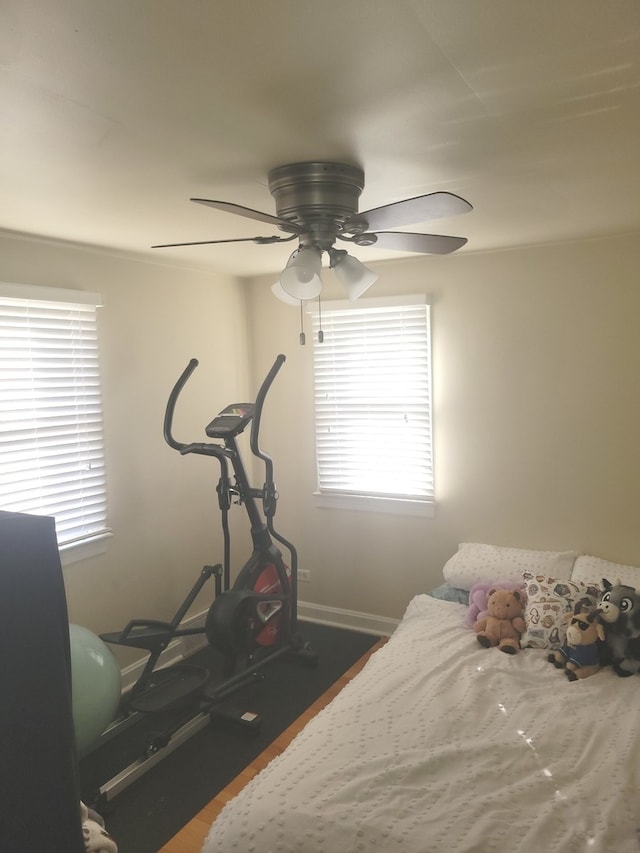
(423, 506)
(93, 542)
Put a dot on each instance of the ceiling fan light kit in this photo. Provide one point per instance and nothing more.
(317, 202)
(301, 277)
(280, 293)
(354, 277)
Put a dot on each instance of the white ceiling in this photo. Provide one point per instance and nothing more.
(114, 112)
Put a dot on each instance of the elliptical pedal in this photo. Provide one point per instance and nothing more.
(169, 688)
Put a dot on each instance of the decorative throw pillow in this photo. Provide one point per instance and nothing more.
(475, 562)
(548, 601)
(588, 569)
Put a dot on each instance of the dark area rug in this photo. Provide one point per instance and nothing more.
(148, 813)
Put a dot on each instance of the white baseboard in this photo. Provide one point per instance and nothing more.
(182, 647)
(353, 620)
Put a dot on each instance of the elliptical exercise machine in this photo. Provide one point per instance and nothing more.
(252, 621)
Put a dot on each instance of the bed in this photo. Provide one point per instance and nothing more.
(442, 745)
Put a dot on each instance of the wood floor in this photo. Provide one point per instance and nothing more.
(191, 837)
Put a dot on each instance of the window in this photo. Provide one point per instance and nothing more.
(51, 437)
(372, 378)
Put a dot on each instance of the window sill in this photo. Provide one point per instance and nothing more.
(366, 503)
(76, 551)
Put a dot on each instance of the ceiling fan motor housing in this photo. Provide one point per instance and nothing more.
(317, 202)
(317, 196)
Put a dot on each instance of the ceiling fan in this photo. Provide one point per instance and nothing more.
(317, 203)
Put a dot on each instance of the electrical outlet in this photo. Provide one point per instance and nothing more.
(304, 575)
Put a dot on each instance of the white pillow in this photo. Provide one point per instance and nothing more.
(475, 562)
(588, 569)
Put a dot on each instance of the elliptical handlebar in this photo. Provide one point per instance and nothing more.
(171, 406)
(217, 449)
(257, 414)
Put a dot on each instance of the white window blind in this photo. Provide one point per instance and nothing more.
(51, 436)
(372, 376)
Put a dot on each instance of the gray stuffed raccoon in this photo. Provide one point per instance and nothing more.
(619, 609)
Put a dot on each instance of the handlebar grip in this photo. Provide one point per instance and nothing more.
(171, 405)
(257, 413)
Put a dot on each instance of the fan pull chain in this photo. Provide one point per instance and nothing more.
(303, 339)
(320, 332)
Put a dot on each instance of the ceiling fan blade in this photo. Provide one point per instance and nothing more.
(422, 208)
(430, 244)
(229, 207)
(259, 240)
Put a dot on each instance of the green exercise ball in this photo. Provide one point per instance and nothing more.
(95, 685)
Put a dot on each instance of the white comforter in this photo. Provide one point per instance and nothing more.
(441, 745)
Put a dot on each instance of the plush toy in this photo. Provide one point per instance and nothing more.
(619, 609)
(504, 624)
(579, 656)
(96, 837)
(478, 595)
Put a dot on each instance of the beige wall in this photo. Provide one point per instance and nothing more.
(536, 356)
(537, 406)
(162, 507)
